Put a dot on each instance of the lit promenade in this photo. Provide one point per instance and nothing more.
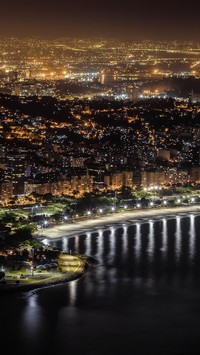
(90, 223)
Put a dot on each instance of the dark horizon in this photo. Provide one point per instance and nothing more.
(132, 21)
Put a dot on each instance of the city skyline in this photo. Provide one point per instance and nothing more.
(99, 177)
(138, 20)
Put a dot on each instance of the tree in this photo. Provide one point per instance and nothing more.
(2, 274)
(25, 232)
(126, 191)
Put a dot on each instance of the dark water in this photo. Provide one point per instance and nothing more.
(142, 298)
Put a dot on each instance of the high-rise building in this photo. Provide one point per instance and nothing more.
(190, 99)
(17, 90)
(132, 92)
(15, 171)
(6, 191)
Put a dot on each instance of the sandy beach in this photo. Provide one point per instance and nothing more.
(89, 224)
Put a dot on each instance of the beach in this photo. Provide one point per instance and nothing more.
(91, 223)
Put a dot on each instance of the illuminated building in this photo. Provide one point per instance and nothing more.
(6, 191)
(15, 172)
(132, 92)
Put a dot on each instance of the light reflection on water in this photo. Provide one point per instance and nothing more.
(178, 237)
(151, 241)
(164, 237)
(192, 234)
(167, 243)
(156, 249)
(146, 282)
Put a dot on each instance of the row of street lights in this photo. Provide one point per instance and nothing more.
(113, 208)
(151, 204)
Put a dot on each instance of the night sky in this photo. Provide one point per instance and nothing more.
(125, 20)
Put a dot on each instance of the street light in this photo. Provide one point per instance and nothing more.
(115, 201)
(34, 207)
(44, 224)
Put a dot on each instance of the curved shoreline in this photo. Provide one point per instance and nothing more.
(79, 227)
(34, 287)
